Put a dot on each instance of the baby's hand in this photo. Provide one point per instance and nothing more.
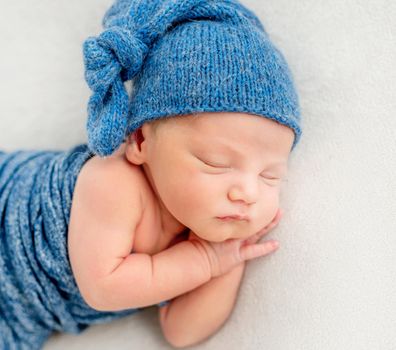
(275, 221)
(224, 256)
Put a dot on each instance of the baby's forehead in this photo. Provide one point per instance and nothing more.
(229, 129)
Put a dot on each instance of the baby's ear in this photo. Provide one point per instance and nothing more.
(133, 150)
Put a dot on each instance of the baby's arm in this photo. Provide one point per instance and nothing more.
(196, 315)
(142, 280)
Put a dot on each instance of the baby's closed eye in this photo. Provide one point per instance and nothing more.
(213, 164)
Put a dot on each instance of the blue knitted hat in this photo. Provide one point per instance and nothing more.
(182, 57)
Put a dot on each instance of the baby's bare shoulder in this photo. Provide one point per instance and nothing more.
(112, 185)
(106, 209)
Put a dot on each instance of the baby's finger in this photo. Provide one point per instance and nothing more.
(254, 238)
(273, 223)
(276, 219)
(253, 251)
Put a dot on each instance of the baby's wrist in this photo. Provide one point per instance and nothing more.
(206, 256)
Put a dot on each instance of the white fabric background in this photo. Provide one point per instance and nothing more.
(332, 283)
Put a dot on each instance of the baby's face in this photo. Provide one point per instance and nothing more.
(219, 164)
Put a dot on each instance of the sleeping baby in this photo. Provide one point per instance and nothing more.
(169, 198)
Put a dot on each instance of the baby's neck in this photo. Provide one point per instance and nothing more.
(171, 227)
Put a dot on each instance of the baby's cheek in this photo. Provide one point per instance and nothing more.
(266, 209)
(195, 186)
(195, 205)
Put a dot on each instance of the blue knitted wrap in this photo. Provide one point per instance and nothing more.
(38, 293)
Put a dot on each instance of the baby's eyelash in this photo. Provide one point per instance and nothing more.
(213, 165)
(271, 178)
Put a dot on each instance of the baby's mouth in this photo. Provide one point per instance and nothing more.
(233, 218)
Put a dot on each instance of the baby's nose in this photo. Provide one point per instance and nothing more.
(246, 190)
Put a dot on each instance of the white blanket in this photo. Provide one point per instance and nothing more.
(332, 283)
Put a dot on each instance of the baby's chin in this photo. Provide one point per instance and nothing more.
(224, 230)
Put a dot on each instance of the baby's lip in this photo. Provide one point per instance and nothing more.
(234, 217)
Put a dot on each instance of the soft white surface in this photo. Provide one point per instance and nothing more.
(332, 283)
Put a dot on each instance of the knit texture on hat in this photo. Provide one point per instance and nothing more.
(182, 57)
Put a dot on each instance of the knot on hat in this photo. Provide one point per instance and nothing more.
(113, 57)
(115, 46)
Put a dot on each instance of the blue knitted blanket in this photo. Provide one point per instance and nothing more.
(38, 293)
